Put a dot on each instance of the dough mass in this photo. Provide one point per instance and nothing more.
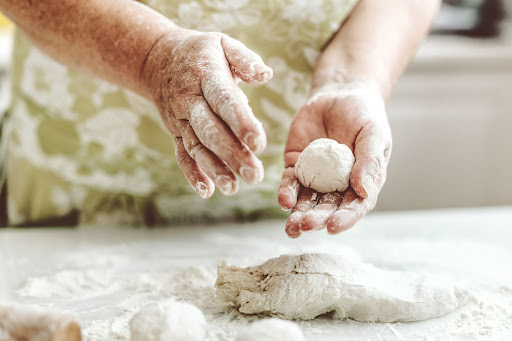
(309, 285)
(325, 166)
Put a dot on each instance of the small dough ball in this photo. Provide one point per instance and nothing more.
(168, 320)
(325, 166)
(271, 330)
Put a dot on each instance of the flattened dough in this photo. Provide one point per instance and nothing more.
(306, 286)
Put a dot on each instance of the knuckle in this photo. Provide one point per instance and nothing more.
(181, 156)
(194, 148)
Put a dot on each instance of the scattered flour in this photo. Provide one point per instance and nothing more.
(271, 330)
(98, 290)
(325, 166)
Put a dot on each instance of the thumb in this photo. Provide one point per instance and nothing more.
(244, 63)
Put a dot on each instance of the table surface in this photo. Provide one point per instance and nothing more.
(471, 246)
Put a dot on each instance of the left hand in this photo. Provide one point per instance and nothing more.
(352, 114)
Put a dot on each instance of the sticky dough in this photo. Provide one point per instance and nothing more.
(325, 166)
(306, 286)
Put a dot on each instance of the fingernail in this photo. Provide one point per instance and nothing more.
(264, 72)
(250, 174)
(202, 189)
(261, 68)
(257, 143)
(226, 185)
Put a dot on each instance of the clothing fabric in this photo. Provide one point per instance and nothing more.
(83, 151)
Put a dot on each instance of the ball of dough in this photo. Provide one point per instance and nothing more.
(325, 166)
(168, 320)
(271, 330)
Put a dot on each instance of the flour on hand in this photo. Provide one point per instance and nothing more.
(168, 320)
(325, 166)
(306, 286)
(271, 330)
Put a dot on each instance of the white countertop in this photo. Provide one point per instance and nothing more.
(471, 246)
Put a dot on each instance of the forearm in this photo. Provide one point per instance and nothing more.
(110, 39)
(375, 43)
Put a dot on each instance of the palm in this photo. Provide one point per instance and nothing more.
(343, 119)
(326, 118)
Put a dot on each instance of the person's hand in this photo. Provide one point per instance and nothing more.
(352, 114)
(192, 77)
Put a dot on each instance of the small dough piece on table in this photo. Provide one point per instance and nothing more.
(168, 320)
(306, 286)
(19, 322)
(271, 330)
(325, 166)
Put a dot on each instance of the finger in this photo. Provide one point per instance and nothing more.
(292, 228)
(245, 64)
(212, 166)
(316, 218)
(199, 181)
(288, 189)
(215, 135)
(351, 209)
(372, 152)
(305, 202)
(230, 103)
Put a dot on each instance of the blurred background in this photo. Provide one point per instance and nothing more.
(451, 112)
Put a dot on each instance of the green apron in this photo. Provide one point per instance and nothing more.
(83, 151)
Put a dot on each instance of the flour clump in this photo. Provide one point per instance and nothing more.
(325, 166)
(168, 320)
(271, 330)
(306, 286)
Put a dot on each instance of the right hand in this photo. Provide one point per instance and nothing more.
(192, 77)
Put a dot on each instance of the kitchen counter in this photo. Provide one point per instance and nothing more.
(470, 246)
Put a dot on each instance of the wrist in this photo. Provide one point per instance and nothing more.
(157, 57)
(339, 70)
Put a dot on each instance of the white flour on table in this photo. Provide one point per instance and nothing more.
(104, 296)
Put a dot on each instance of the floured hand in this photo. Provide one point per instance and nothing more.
(352, 114)
(193, 78)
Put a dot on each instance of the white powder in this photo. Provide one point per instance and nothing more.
(103, 295)
(271, 330)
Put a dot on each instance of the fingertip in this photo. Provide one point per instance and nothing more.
(313, 221)
(286, 200)
(292, 225)
(340, 221)
(261, 73)
(252, 175)
(331, 226)
(256, 141)
(292, 232)
(204, 190)
(227, 185)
